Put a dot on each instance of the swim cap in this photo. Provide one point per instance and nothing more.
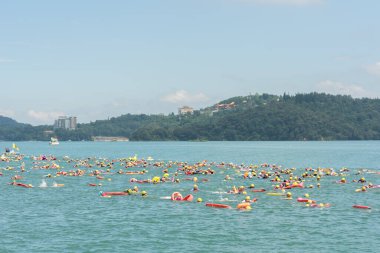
(247, 198)
(288, 194)
(252, 186)
(307, 195)
(199, 200)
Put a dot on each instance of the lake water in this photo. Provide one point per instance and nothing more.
(74, 218)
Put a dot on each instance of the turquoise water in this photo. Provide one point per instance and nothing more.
(74, 218)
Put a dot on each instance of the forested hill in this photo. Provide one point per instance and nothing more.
(11, 130)
(311, 116)
(5, 121)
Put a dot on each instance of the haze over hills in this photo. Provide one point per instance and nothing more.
(313, 116)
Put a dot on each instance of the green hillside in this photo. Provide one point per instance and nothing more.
(311, 116)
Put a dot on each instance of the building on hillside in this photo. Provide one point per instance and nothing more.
(109, 138)
(64, 122)
(185, 110)
(225, 106)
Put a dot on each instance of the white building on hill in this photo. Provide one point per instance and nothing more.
(64, 122)
(185, 110)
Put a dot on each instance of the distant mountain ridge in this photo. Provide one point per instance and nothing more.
(313, 116)
(265, 117)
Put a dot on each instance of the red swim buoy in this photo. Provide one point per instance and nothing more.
(258, 190)
(115, 193)
(22, 185)
(361, 207)
(217, 205)
(305, 200)
(188, 198)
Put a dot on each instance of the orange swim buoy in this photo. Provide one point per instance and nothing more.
(243, 205)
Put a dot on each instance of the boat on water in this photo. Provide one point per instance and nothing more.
(53, 141)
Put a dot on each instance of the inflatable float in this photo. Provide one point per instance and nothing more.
(305, 200)
(361, 207)
(22, 185)
(275, 194)
(294, 186)
(258, 190)
(113, 193)
(215, 205)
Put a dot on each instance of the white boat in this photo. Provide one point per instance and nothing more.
(54, 141)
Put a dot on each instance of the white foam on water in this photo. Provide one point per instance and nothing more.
(43, 184)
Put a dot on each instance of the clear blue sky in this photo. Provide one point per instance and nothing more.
(96, 59)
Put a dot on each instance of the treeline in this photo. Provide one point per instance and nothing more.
(312, 116)
(10, 130)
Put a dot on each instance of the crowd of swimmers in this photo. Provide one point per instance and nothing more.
(280, 180)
